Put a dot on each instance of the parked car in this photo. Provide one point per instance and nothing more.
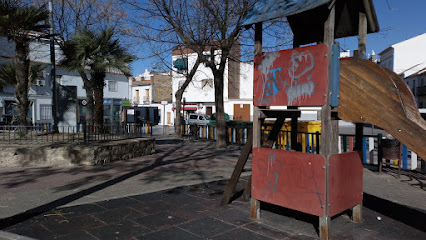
(198, 119)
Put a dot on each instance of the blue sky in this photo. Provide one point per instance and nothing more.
(398, 20)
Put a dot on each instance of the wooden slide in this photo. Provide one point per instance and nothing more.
(373, 94)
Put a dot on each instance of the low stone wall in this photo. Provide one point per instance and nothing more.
(74, 154)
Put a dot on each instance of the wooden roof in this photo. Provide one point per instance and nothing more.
(307, 17)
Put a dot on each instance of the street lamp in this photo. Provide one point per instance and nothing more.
(53, 71)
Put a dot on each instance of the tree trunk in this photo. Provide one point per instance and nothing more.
(178, 125)
(89, 98)
(179, 94)
(220, 110)
(90, 107)
(99, 100)
(22, 64)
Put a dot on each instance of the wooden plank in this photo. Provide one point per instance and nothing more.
(247, 190)
(362, 50)
(293, 77)
(328, 141)
(359, 127)
(273, 135)
(242, 160)
(346, 172)
(372, 94)
(289, 113)
(289, 179)
(255, 204)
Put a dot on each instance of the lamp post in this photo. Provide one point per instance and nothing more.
(53, 71)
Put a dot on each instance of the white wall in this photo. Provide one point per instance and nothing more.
(199, 92)
(168, 109)
(246, 80)
(142, 94)
(195, 92)
(405, 54)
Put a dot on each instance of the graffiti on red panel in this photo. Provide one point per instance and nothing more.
(289, 179)
(296, 77)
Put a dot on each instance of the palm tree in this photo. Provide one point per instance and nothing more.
(8, 74)
(17, 23)
(93, 55)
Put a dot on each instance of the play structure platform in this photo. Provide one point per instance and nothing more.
(355, 90)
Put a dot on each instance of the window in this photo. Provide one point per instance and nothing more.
(112, 86)
(137, 97)
(146, 95)
(45, 112)
(181, 64)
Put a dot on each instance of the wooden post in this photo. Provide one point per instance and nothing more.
(273, 135)
(328, 139)
(359, 127)
(245, 153)
(294, 123)
(362, 46)
(254, 203)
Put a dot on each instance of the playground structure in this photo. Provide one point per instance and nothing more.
(355, 90)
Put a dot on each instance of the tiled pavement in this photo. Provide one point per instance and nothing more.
(192, 212)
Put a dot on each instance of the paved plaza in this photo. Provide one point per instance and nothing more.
(175, 194)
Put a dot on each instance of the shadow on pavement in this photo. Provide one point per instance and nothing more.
(412, 217)
(6, 222)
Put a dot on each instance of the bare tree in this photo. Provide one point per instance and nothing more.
(204, 26)
(96, 15)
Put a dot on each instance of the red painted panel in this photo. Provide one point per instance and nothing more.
(295, 77)
(289, 179)
(346, 174)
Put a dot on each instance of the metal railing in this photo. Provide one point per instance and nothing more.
(310, 142)
(234, 135)
(82, 133)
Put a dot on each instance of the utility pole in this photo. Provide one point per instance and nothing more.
(53, 71)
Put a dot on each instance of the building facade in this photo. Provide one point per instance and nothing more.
(408, 59)
(199, 95)
(153, 90)
(71, 93)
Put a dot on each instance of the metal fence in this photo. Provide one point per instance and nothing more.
(310, 142)
(82, 133)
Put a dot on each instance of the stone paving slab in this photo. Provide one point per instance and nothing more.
(176, 163)
(164, 215)
(174, 194)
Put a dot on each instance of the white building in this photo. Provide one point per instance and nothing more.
(69, 82)
(408, 59)
(417, 83)
(152, 89)
(199, 95)
(404, 55)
